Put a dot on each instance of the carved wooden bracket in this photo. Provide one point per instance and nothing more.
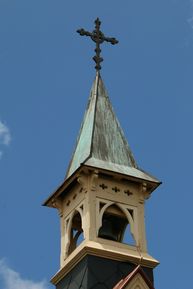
(56, 203)
(93, 180)
(83, 181)
(145, 191)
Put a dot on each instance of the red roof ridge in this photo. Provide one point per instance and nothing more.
(123, 282)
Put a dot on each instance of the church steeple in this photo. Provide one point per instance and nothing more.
(101, 142)
(101, 201)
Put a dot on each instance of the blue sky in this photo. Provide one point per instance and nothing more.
(46, 72)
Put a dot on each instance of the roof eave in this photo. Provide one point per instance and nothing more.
(65, 184)
(154, 184)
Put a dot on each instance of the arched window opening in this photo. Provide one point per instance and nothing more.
(114, 223)
(76, 233)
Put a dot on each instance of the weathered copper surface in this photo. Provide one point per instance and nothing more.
(98, 37)
(101, 142)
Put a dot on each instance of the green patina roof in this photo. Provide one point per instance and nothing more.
(101, 142)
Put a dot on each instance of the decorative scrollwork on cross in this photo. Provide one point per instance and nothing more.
(98, 37)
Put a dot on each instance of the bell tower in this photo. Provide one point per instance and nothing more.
(101, 201)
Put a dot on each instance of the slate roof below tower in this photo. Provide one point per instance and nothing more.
(94, 272)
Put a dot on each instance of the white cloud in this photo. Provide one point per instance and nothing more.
(5, 136)
(12, 279)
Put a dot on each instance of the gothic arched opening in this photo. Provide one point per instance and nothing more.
(115, 226)
(76, 232)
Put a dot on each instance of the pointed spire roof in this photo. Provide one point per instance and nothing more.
(101, 142)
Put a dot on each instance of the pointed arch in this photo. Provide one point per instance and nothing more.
(126, 211)
(74, 229)
(121, 207)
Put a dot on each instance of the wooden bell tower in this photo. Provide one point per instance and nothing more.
(101, 204)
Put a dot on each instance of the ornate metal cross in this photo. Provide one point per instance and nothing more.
(98, 37)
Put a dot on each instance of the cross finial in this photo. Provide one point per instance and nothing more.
(98, 37)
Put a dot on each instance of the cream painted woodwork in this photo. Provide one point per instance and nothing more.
(137, 282)
(93, 194)
(103, 193)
